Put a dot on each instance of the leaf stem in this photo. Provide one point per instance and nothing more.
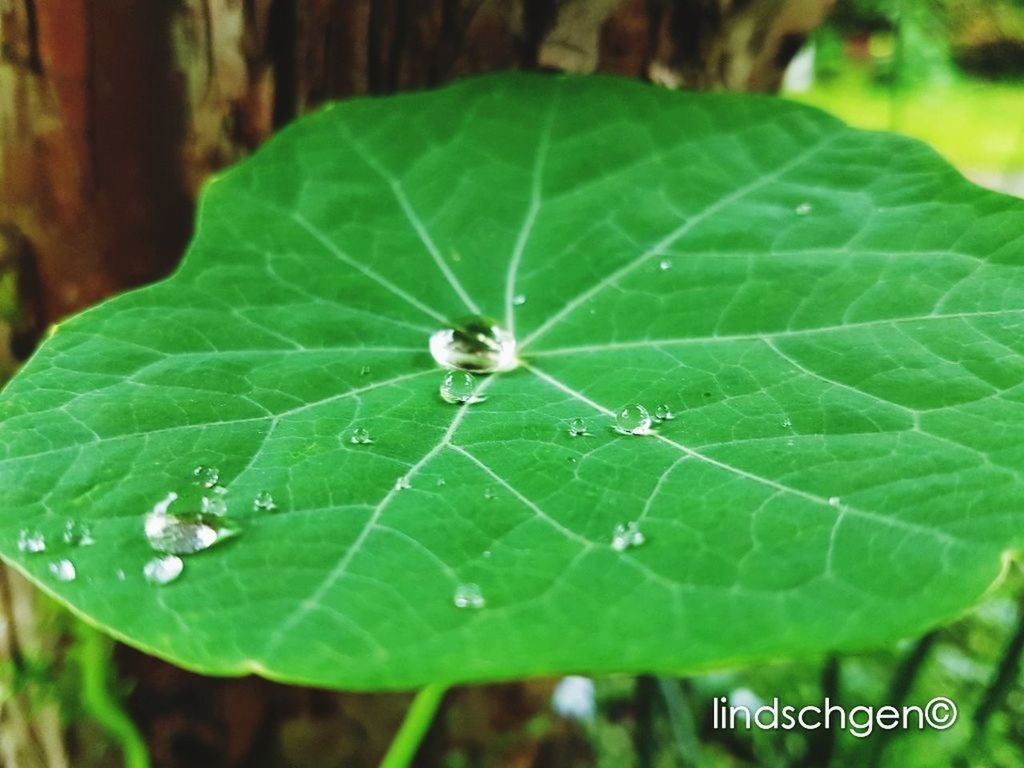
(93, 651)
(414, 727)
(678, 704)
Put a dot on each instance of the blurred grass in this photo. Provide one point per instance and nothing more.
(976, 125)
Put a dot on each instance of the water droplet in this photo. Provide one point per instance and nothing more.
(487, 553)
(31, 541)
(627, 535)
(206, 476)
(163, 570)
(633, 420)
(833, 501)
(787, 423)
(578, 428)
(214, 503)
(120, 574)
(441, 482)
(264, 502)
(663, 413)
(468, 596)
(361, 436)
(519, 300)
(459, 387)
(665, 264)
(803, 209)
(402, 483)
(182, 534)
(364, 371)
(474, 344)
(489, 494)
(78, 534)
(63, 570)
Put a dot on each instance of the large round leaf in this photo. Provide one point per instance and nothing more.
(834, 316)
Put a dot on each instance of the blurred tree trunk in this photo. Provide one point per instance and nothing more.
(114, 112)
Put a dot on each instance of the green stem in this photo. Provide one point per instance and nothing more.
(94, 660)
(414, 727)
(676, 694)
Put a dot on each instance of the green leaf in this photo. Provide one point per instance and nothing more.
(834, 316)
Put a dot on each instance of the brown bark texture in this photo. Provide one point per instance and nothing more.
(112, 115)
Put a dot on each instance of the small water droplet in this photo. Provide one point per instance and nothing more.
(402, 483)
(665, 264)
(163, 570)
(571, 459)
(833, 501)
(663, 413)
(182, 534)
(468, 596)
(120, 574)
(627, 535)
(361, 436)
(474, 344)
(633, 420)
(31, 541)
(214, 503)
(787, 423)
(364, 371)
(489, 494)
(206, 476)
(803, 209)
(458, 387)
(519, 300)
(441, 482)
(264, 502)
(78, 534)
(63, 570)
(487, 553)
(578, 428)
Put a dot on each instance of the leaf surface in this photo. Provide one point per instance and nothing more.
(834, 317)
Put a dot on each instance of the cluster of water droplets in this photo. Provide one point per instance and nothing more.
(626, 536)
(469, 596)
(75, 533)
(191, 521)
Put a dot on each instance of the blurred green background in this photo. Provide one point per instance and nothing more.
(949, 72)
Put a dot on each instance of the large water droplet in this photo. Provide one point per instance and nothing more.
(63, 570)
(182, 534)
(361, 436)
(458, 387)
(627, 535)
(264, 502)
(78, 534)
(468, 596)
(206, 476)
(31, 541)
(163, 570)
(663, 413)
(633, 420)
(474, 344)
(578, 428)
